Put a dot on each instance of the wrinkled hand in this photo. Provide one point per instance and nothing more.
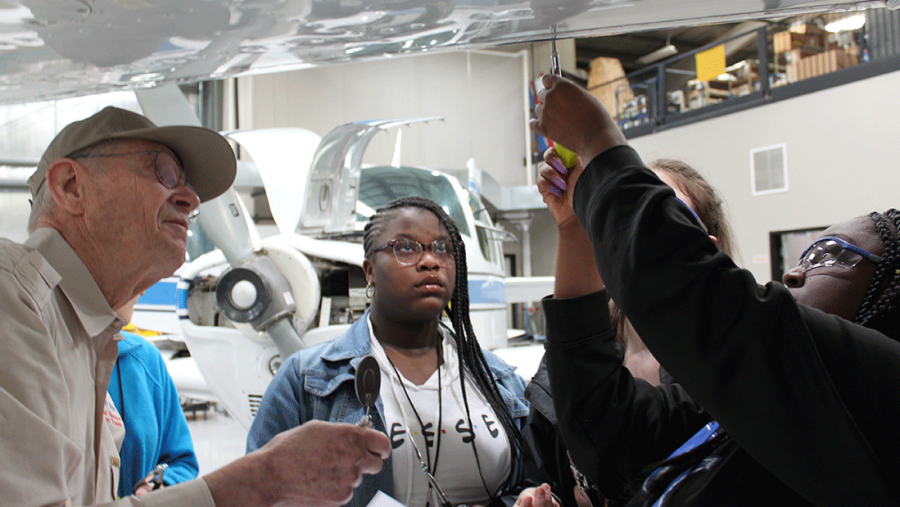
(143, 489)
(323, 462)
(316, 464)
(554, 188)
(571, 116)
(536, 497)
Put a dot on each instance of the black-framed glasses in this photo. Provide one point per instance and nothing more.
(409, 252)
(830, 251)
(168, 170)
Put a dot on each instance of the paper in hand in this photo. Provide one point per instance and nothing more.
(381, 499)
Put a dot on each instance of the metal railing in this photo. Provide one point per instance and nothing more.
(784, 65)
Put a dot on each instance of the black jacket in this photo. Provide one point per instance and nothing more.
(809, 400)
(548, 462)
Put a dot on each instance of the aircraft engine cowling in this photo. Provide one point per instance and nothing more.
(274, 296)
(254, 294)
(271, 292)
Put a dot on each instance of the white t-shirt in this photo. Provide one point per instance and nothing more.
(457, 471)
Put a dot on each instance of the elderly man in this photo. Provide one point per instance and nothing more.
(113, 196)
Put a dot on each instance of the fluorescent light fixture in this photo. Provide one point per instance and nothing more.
(854, 22)
(663, 52)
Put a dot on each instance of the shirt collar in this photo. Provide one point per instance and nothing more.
(78, 285)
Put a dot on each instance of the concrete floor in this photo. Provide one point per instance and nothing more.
(218, 439)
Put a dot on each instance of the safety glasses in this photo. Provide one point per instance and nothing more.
(834, 252)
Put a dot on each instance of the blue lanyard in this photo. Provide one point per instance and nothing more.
(704, 435)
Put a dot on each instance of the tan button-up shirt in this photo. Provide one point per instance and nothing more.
(57, 349)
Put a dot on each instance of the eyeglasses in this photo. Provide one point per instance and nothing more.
(168, 170)
(409, 252)
(833, 252)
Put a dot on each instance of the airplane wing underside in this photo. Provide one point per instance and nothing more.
(57, 48)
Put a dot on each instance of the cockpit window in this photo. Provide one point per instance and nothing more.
(479, 211)
(381, 185)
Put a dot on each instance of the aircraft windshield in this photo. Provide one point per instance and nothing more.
(381, 185)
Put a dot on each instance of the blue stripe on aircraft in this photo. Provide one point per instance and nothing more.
(491, 291)
(160, 294)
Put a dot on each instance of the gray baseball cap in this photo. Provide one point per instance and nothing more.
(206, 157)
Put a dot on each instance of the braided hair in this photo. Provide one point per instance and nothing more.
(471, 357)
(880, 309)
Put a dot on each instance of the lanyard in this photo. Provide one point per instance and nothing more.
(704, 435)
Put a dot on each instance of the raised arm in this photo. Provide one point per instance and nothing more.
(751, 355)
(576, 273)
(603, 413)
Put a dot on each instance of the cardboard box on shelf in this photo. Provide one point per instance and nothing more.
(788, 41)
(790, 62)
(835, 59)
(823, 63)
(795, 55)
(742, 89)
(705, 93)
(807, 29)
(607, 82)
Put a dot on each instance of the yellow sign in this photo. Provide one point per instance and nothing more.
(146, 333)
(710, 63)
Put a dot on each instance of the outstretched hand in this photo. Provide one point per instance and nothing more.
(571, 116)
(328, 462)
(317, 464)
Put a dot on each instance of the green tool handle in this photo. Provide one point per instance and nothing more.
(566, 156)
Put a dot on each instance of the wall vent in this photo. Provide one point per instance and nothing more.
(768, 170)
(254, 400)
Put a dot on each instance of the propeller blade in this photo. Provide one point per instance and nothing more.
(284, 171)
(227, 223)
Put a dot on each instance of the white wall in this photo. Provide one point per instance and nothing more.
(843, 153)
(481, 96)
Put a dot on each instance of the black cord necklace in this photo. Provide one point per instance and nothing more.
(437, 449)
(121, 392)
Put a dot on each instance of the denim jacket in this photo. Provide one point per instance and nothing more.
(317, 383)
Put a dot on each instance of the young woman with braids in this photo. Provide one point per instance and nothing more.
(463, 405)
(542, 434)
(805, 400)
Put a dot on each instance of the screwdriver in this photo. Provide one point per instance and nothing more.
(566, 156)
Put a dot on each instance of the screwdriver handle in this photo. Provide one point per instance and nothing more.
(566, 156)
